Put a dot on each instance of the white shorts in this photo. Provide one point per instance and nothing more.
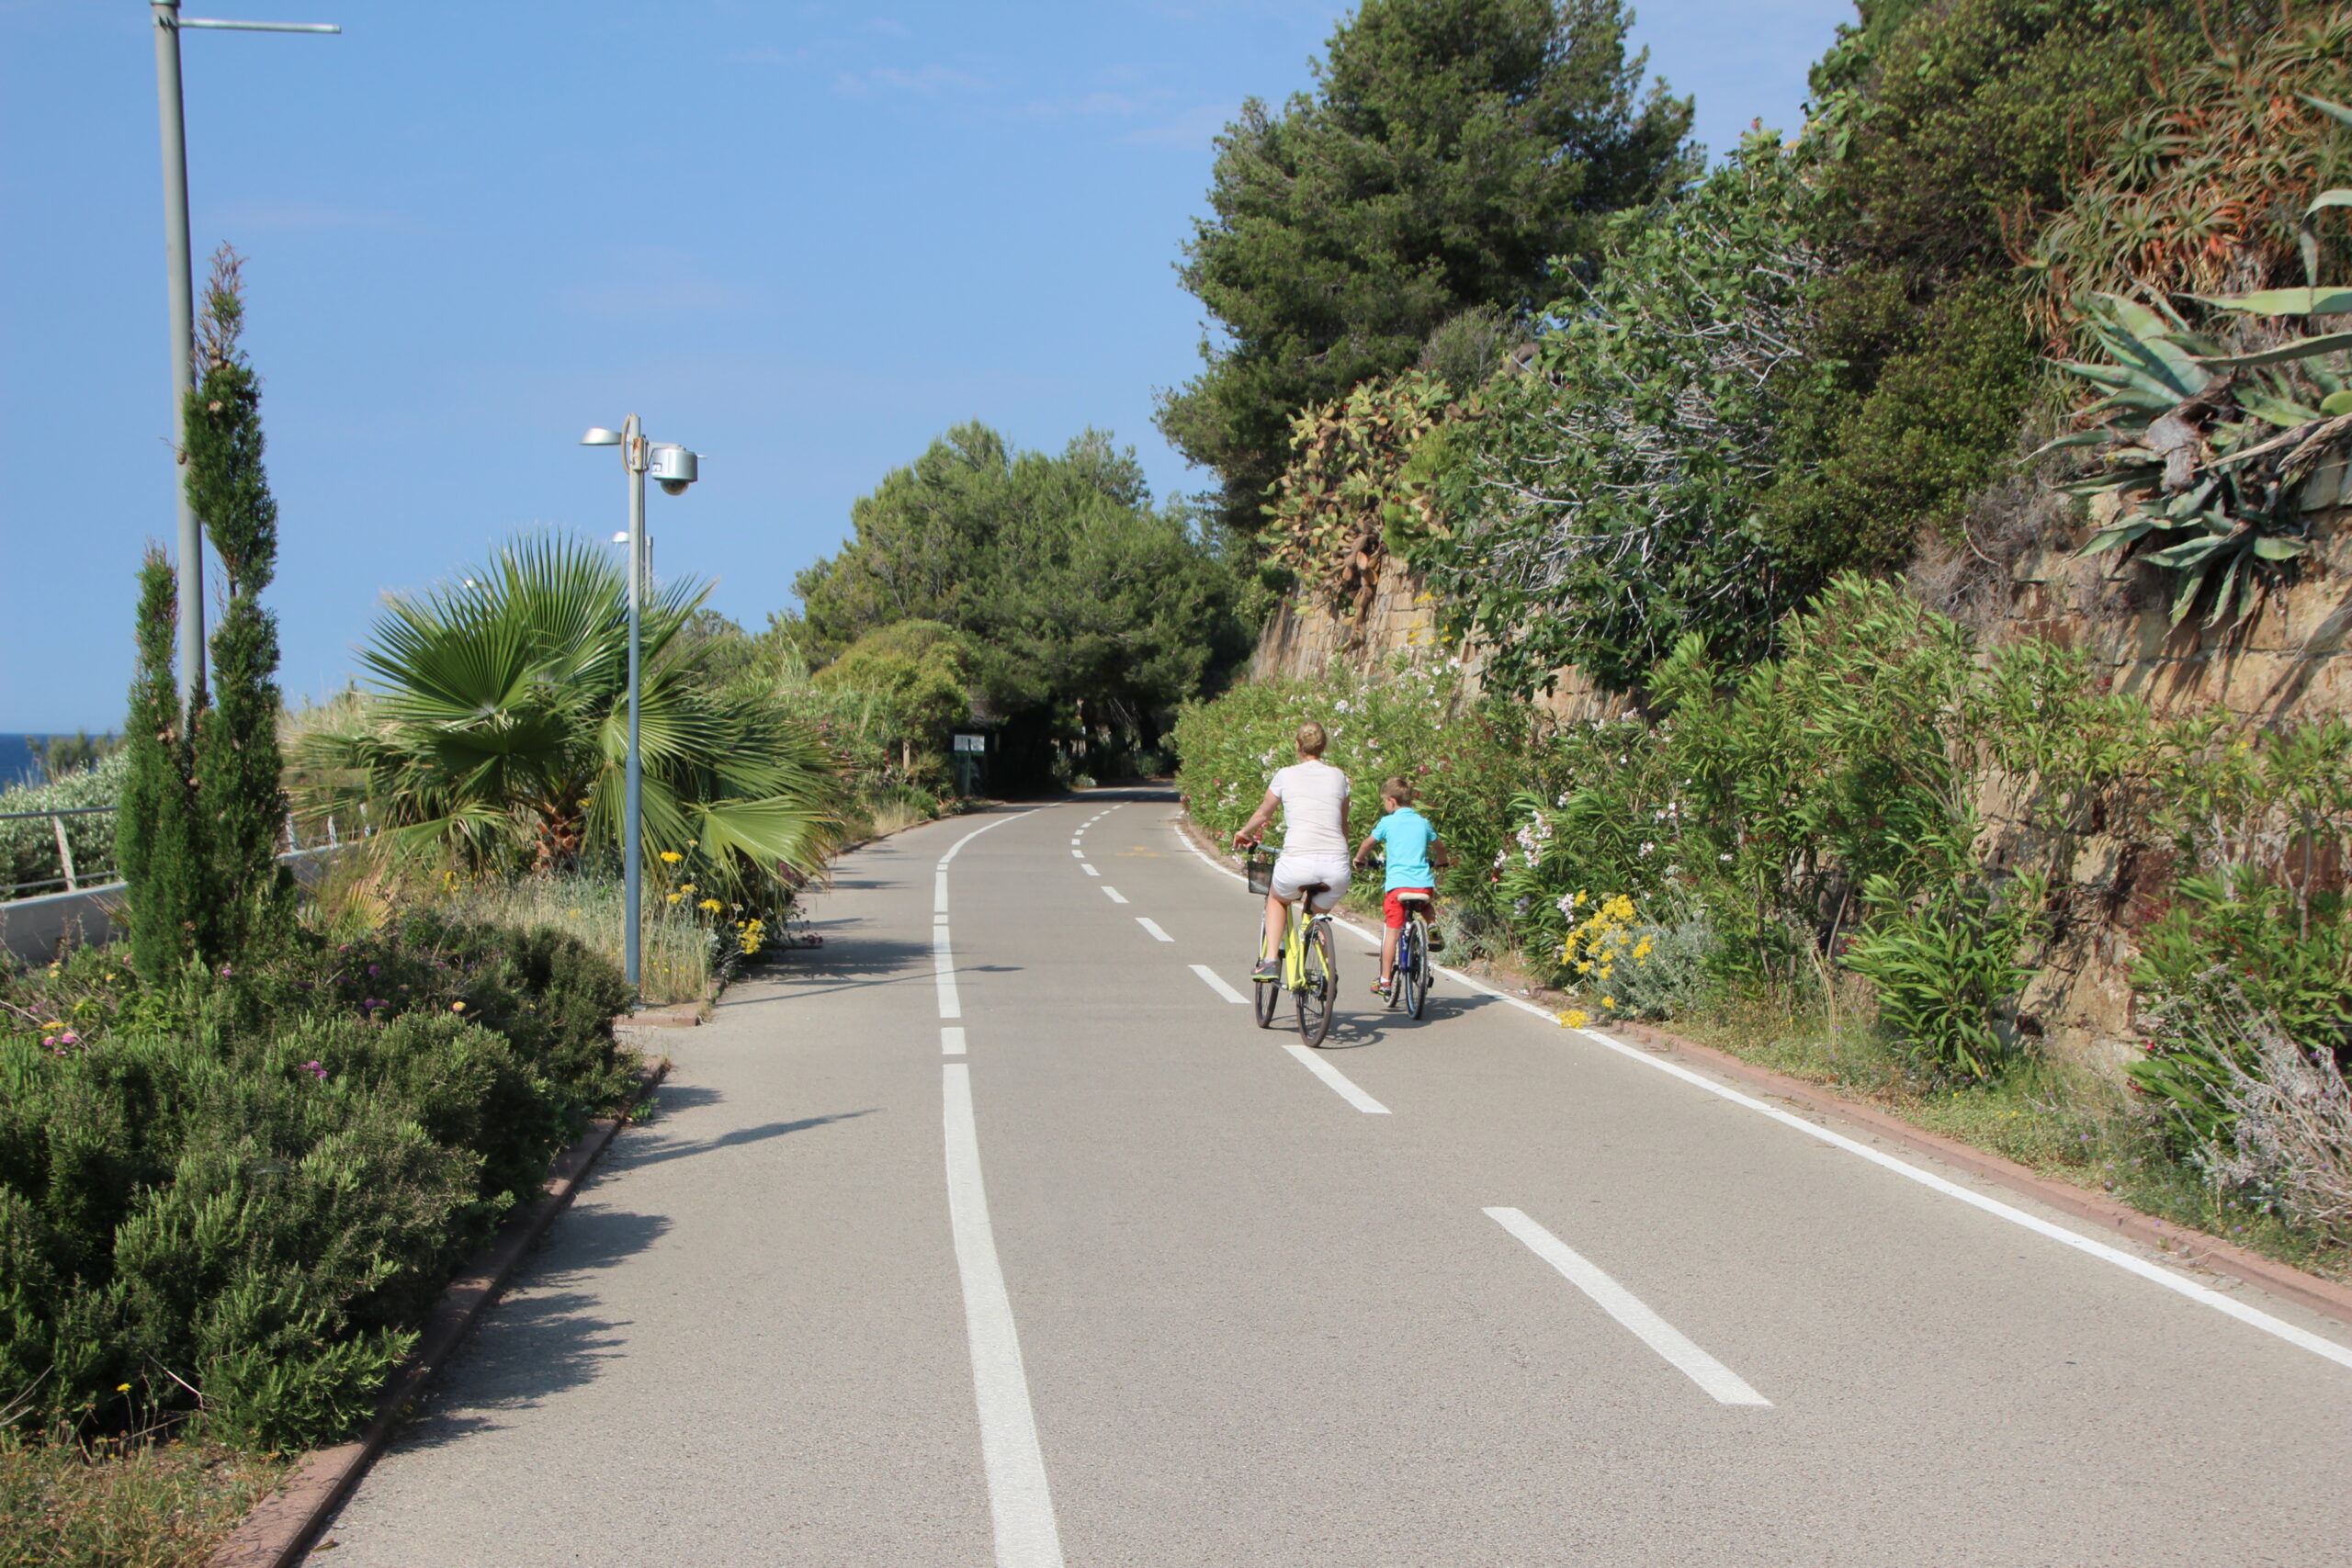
(1295, 871)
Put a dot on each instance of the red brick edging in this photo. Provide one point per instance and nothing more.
(278, 1531)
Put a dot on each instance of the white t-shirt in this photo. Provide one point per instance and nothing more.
(1312, 793)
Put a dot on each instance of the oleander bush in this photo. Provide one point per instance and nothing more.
(231, 1196)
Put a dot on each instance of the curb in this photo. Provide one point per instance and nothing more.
(278, 1531)
(2196, 1248)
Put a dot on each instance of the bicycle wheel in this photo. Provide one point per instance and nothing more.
(1416, 968)
(1261, 992)
(1320, 995)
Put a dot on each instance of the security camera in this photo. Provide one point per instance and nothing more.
(674, 468)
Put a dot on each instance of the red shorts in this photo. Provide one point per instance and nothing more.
(1393, 906)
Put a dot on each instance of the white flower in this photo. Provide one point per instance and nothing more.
(1646, 847)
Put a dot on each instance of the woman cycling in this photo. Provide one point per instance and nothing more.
(1313, 798)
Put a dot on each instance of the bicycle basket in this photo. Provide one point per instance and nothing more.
(1261, 872)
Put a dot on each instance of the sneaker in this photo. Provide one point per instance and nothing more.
(1271, 969)
(1380, 989)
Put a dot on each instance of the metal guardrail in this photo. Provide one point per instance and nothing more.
(73, 879)
(64, 850)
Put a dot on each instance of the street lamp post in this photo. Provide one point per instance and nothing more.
(172, 116)
(675, 468)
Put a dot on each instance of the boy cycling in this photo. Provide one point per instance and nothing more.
(1413, 853)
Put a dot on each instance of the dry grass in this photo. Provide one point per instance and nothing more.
(679, 965)
(141, 1505)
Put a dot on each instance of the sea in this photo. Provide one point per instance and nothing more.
(17, 764)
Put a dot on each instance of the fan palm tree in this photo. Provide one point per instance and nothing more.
(499, 734)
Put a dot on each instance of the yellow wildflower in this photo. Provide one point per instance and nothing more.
(712, 905)
(676, 896)
(1574, 1018)
(457, 1007)
(670, 857)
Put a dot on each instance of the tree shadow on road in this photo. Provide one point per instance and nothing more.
(659, 1153)
(543, 1335)
(846, 962)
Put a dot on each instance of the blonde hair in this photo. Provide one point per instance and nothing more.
(1311, 739)
(1396, 790)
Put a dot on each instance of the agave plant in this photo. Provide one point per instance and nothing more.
(498, 736)
(2218, 457)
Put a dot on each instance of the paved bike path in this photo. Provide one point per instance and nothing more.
(1258, 1324)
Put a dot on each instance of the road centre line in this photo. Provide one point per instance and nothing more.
(1116, 896)
(1725, 1385)
(1157, 935)
(1019, 1500)
(1216, 983)
(1078, 854)
(2171, 1279)
(951, 1040)
(1088, 869)
(1336, 1079)
(939, 891)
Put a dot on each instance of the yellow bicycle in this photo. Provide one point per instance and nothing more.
(1310, 971)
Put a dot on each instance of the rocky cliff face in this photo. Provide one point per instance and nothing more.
(2291, 661)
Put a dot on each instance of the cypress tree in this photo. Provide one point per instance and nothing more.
(237, 762)
(159, 838)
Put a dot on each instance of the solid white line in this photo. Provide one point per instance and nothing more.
(1216, 983)
(956, 847)
(1331, 1076)
(951, 1040)
(1116, 896)
(943, 964)
(1088, 869)
(1620, 1303)
(1023, 1508)
(1157, 935)
(2171, 1279)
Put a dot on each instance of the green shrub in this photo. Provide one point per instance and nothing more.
(1944, 965)
(252, 1184)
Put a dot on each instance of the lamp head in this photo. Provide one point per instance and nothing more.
(599, 436)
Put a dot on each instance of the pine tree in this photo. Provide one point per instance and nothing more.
(173, 912)
(237, 763)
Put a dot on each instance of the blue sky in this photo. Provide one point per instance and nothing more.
(803, 238)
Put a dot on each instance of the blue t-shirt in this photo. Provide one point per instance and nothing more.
(1407, 835)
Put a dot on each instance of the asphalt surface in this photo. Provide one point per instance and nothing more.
(1170, 1297)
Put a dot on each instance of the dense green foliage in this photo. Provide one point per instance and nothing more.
(1451, 150)
(500, 734)
(1603, 504)
(243, 1189)
(1086, 613)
